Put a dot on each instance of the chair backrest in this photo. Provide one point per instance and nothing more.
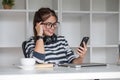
(23, 48)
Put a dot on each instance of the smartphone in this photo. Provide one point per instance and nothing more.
(85, 39)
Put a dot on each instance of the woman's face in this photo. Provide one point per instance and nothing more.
(49, 26)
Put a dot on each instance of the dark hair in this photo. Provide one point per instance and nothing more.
(41, 15)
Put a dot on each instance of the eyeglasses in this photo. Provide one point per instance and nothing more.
(50, 25)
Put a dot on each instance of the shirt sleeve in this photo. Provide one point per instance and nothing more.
(69, 53)
(29, 49)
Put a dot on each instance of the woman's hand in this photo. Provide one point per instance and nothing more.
(39, 29)
(81, 51)
(39, 47)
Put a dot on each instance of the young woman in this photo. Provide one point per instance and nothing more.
(46, 46)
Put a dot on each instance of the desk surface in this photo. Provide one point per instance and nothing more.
(60, 73)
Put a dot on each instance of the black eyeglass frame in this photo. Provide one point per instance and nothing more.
(50, 25)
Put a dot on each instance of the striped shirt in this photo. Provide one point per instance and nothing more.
(58, 52)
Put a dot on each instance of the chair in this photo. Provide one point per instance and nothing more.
(23, 48)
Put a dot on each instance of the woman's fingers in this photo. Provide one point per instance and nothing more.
(39, 29)
(82, 50)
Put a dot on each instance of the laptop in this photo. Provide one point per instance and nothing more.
(83, 65)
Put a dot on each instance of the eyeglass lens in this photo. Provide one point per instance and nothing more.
(50, 25)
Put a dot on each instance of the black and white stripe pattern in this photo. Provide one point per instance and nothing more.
(58, 52)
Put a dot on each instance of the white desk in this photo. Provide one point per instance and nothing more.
(61, 73)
